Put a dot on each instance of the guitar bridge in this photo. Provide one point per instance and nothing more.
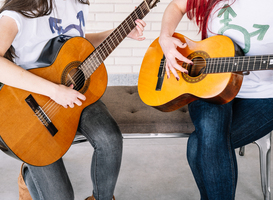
(161, 73)
(38, 111)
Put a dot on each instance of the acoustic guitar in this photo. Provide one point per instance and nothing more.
(37, 130)
(215, 76)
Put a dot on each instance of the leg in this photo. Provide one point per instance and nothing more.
(210, 154)
(249, 120)
(49, 183)
(103, 133)
(52, 182)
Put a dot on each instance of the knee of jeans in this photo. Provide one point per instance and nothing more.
(109, 141)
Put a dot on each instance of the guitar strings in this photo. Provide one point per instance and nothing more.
(212, 64)
(90, 65)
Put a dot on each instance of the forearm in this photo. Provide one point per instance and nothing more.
(172, 16)
(15, 76)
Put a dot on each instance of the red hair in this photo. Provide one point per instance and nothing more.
(200, 11)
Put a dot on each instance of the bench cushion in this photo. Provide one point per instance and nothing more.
(133, 116)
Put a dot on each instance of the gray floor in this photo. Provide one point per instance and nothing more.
(152, 169)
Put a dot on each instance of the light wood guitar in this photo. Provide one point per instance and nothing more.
(35, 129)
(216, 75)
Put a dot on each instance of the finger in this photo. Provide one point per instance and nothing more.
(143, 23)
(78, 102)
(140, 33)
(180, 57)
(139, 30)
(71, 105)
(140, 26)
(174, 72)
(81, 96)
(167, 70)
(180, 44)
(71, 86)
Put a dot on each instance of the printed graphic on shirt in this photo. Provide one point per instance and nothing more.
(56, 25)
(228, 14)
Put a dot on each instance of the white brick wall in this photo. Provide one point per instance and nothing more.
(127, 58)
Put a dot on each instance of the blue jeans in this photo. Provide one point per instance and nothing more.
(219, 129)
(52, 182)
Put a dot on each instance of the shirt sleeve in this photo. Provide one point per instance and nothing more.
(14, 15)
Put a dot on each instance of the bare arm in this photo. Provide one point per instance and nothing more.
(15, 76)
(171, 18)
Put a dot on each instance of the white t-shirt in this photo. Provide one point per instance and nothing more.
(249, 23)
(67, 18)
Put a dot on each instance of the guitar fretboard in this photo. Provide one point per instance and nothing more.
(237, 64)
(94, 60)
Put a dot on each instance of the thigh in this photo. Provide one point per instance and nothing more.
(252, 119)
(98, 125)
(209, 118)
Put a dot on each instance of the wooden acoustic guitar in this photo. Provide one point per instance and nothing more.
(35, 129)
(216, 75)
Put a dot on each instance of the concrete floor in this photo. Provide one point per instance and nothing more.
(152, 169)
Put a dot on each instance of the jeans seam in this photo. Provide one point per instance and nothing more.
(232, 165)
(94, 157)
(38, 187)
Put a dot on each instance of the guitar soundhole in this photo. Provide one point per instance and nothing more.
(75, 77)
(197, 68)
(72, 75)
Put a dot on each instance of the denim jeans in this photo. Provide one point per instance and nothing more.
(52, 182)
(219, 129)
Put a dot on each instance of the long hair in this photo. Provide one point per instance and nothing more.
(199, 10)
(30, 9)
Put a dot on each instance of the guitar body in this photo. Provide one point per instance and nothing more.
(171, 94)
(22, 134)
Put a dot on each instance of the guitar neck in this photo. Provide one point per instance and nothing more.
(239, 63)
(95, 59)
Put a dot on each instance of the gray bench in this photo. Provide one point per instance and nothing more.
(137, 120)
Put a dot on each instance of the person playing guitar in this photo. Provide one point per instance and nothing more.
(220, 129)
(26, 27)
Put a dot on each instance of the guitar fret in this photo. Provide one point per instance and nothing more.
(211, 67)
(113, 43)
(102, 52)
(120, 34)
(261, 62)
(139, 15)
(248, 64)
(215, 65)
(134, 17)
(237, 61)
(254, 62)
(243, 63)
(228, 63)
(109, 49)
(224, 67)
(117, 36)
(268, 61)
(126, 25)
(124, 31)
(142, 12)
(218, 68)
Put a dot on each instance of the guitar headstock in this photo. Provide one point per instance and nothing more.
(152, 3)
